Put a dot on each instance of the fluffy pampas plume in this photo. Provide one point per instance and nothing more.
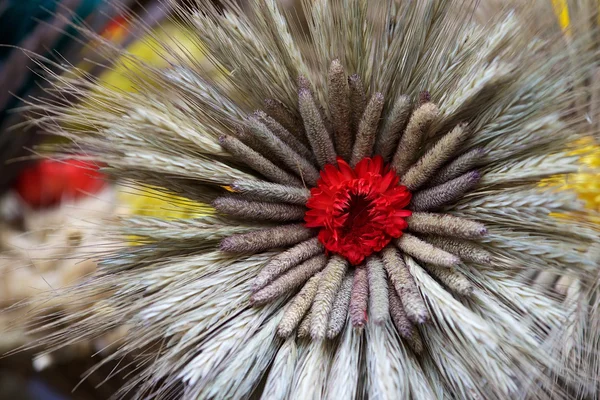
(374, 175)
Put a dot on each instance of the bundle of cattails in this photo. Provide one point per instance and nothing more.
(376, 217)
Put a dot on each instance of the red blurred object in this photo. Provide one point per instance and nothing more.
(50, 182)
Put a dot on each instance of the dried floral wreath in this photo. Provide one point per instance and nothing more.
(383, 203)
(362, 202)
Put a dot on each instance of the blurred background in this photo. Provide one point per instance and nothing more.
(50, 210)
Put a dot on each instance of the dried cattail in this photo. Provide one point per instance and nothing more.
(387, 141)
(265, 239)
(359, 298)
(413, 136)
(298, 307)
(446, 193)
(339, 311)
(367, 130)
(445, 225)
(358, 100)
(339, 101)
(423, 251)
(286, 260)
(328, 287)
(378, 291)
(271, 192)
(258, 162)
(289, 280)
(258, 211)
(405, 286)
(430, 162)
(316, 131)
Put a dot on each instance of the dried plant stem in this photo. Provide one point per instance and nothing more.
(425, 252)
(427, 166)
(265, 239)
(404, 285)
(286, 260)
(445, 225)
(359, 299)
(410, 142)
(339, 311)
(367, 130)
(339, 102)
(288, 281)
(378, 291)
(258, 211)
(387, 140)
(296, 308)
(257, 162)
(444, 194)
(316, 129)
(271, 191)
(328, 287)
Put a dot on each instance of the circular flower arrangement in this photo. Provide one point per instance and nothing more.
(375, 175)
(360, 209)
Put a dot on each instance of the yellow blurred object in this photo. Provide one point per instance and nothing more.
(156, 203)
(585, 184)
(151, 50)
(562, 12)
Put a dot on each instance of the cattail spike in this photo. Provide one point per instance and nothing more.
(304, 327)
(289, 281)
(427, 166)
(339, 104)
(243, 134)
(424, 97)
(258, 211)
(267, 191)
(341, 305)
(284, 153)
(405, 286)
(304, 84)
(297, 307)
(285, 135)
(378, 291)
(266, 239)
(425, 252)
(387, 140)
(445, 225)
(451, 278)
(282, 262)
(257, 162)
(358, 101)
(415, 342)
(276, 110)
(410, 142)
(367, 129)
(403, 325)
(328, 287)
(316, 130)
(457, 167)
(446, 193)
(359, 299)
(467, 251)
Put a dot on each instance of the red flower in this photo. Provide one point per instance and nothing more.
(359, 211)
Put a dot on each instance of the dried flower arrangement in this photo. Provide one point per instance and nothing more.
(376, 219)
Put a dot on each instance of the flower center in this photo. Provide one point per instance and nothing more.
(358, 210)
